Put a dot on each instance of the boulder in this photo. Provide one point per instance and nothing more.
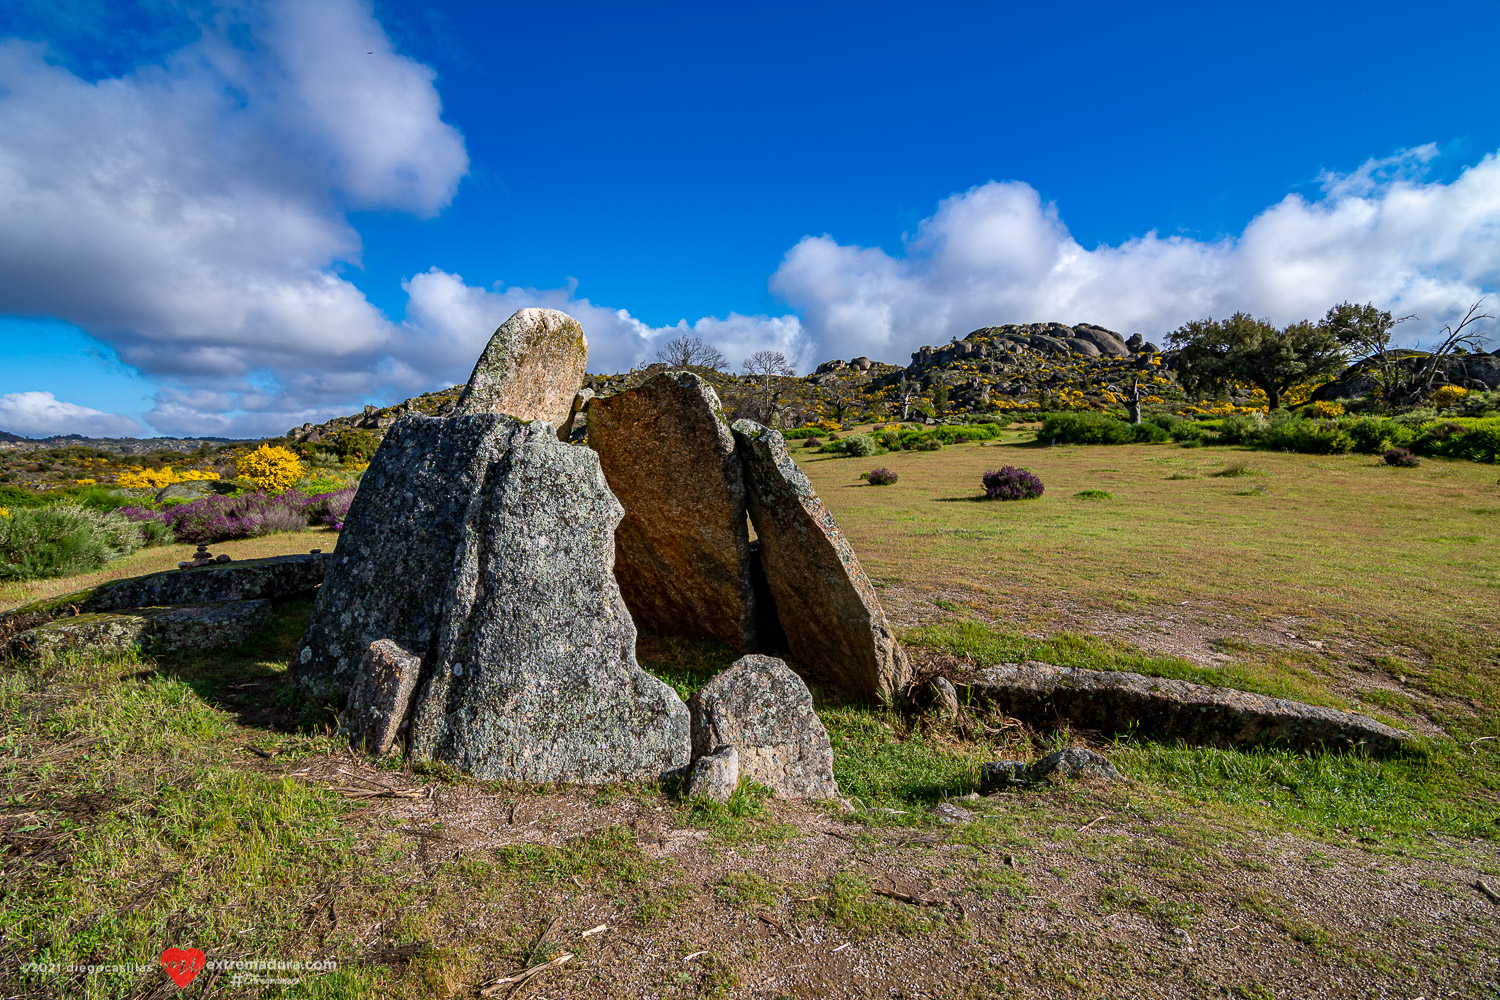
(1074, 762)
(1080, 346)
(861, 363)
(531, 369)
(1002, 774)
(1134, 342)
(485, 546)
(714, 775)
(682, 552)
(156, 630)
(378, 702)
(827, 608)
(764, 710)
(1110, 701)
(1108, 342)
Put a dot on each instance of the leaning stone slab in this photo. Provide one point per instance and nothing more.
(682, 552)
(157, 630)
(1112, 702)
(485, 546)
(531, 369)
(377, 705)
(833, 622)
(765, 711)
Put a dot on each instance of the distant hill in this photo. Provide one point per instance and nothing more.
(117, 446)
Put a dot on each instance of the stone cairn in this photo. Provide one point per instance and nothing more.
(480, 607)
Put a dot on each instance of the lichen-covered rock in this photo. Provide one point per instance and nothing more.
(531, 369)
(682, 552)
(485, 546)
(1002, 774)
(158, 630)
(714, 775)
(377, 706)
(765, 711)
(1111, 701)
(278, 578)
(833, 621)
(1074, 762)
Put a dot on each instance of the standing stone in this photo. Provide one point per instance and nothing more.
(714, 776)
(683, 556)
(380, 697)
(833, 622)
(486, 547)
(531, 369)
(765, 711)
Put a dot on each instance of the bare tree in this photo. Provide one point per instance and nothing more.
(1402, 379)
(763, 366)
(687, 352)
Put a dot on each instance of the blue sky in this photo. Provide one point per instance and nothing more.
(228, 219)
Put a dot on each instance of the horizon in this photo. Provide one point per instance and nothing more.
(228, 220)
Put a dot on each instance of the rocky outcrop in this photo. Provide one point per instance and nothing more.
(682, 552)
(531, 369)
(1109, 702)
(155, 630)
(485, 547)
(827, 608)
(765, 712)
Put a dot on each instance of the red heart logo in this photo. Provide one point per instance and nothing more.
(183, 964)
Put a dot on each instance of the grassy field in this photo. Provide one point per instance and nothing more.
(177, 801)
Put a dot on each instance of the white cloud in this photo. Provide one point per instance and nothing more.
(40, 414)
(192, 214)
(997, 254)
(449, 322)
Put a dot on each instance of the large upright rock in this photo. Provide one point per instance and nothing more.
(485, 547)
(826, 605)
(531, 369)
(682, 553)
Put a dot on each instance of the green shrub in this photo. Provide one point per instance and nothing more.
(927, 444)
(860, 446)
(1186, 430)
(800, 432)
(1313, 437)
(1151, 433)
(1242, 428)
(1086, 427)
(63, 540)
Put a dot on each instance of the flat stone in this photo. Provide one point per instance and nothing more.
(381, 695)
(999, 775)
(1111, 702)
(531, 369)
(833, 621)
(157, 630)
(485, 547)
(947, 812)
(682, 552)
(278, 578)
(764, 710)
(1074, 762)
(714, 775)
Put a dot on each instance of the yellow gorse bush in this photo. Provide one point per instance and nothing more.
(272, 468)
(1448, 395)
(1323, 409)
(139, 478)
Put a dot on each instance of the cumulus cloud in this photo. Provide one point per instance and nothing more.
(193, 214)
(41, 414)
(998, 254)
(448, 323)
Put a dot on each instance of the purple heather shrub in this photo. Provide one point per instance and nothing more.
(1011, 483)
(222, 518)
(881, 477)
(1401, 458)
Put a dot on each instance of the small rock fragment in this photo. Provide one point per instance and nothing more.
(1074, 762)
(947, 812)
(945, 698)
(714, 775)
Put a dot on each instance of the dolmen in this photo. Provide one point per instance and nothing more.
(480, 610)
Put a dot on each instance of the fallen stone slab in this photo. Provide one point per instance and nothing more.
(531, 369)
(1113, 702)
(485, 546)
(714, 775)
(1073, 762)
(764, 710)
(1002, 774)
(378, 702)
(826, 605)
(278, 578)
(155, 630)
(682, 552)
